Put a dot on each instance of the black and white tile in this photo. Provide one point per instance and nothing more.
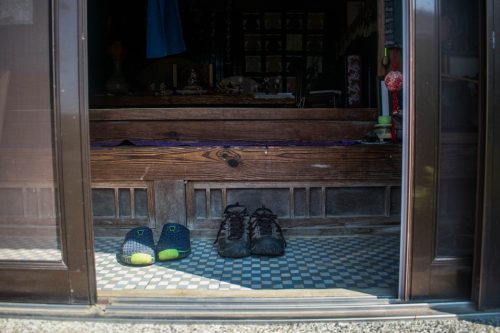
(348, 262)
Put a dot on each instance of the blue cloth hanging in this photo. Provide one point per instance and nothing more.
(164, 29)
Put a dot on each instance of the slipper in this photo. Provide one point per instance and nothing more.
(138, 247)
(174, 242)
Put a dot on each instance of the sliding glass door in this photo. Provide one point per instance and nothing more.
(448, 125)
(44, 240)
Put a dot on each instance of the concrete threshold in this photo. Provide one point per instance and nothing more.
(337, 293)
(251, 310)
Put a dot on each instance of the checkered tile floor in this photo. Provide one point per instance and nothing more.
(359, 262)
(29, 248)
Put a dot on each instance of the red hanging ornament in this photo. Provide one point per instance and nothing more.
(394, 82)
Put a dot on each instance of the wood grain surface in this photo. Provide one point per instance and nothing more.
(359, 162)
(362, 114)
(202, 100)
(285, 130)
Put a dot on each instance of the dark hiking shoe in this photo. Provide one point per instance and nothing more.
(174, 242)
(266, 237)
(232, 239)
(138, 247)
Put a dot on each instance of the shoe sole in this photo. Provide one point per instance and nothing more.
(268, 246)
(138, 259)
(172, 254)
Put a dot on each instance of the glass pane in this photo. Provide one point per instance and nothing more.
(200, 203)
(103, 202)
(28, 206)
(315, 202)
(124, 202)
(141, 203)
(300, 202)
(216, 203)
(359, 201)
(276, 199)
(459, 118)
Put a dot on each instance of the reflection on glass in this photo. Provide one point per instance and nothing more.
(459, 106)
(28, 209)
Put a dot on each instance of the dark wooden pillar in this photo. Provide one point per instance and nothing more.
(489, 265)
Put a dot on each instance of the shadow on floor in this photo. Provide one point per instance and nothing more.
(354, 263)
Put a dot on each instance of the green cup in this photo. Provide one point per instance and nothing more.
(384, 120)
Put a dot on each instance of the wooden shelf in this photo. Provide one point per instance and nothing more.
(261, 114)
(185, 100)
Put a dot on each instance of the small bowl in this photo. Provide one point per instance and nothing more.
(383, 132)
(384, 119)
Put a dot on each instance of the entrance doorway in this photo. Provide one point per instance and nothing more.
(436, 266)
(284, 113)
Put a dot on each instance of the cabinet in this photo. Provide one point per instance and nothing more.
(283, 49)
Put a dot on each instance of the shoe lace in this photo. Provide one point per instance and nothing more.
(233, 222)
(265, 219)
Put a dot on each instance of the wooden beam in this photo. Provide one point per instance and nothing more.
(228, 130)
(361, 114)
(357, 162)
